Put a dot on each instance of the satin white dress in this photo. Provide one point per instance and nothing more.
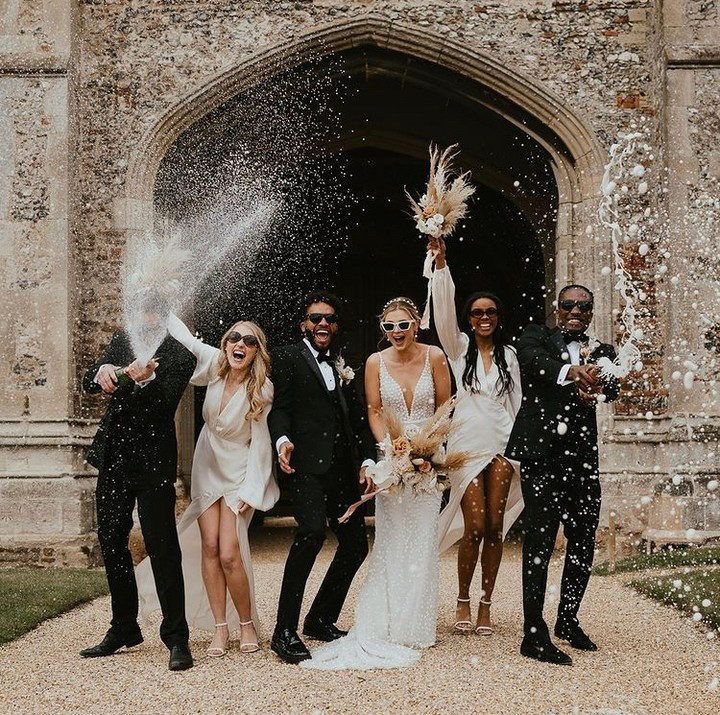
(233, 461)
(396, 610)
(483, 418)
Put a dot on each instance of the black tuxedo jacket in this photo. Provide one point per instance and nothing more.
(542, 352)
(304, 411)
(137, 433)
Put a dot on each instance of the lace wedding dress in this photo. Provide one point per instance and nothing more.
(396, 609)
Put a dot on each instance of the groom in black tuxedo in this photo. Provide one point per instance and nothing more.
(135, 452)
(321, 434)
(556, 441)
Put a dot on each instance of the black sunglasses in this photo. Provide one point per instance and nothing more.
(317, 318)
(482, 312)
(585, 305)
(250, 340)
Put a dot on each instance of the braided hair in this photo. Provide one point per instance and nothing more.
(505, 382)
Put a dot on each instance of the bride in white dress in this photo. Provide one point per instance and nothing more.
(231, 477)
(396, 608)
(485, 497)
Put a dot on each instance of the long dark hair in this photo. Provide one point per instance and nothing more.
(505, 383)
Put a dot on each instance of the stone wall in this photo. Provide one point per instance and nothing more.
(84, 82)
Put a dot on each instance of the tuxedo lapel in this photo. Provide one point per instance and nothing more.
(313, 365)
(557, 339)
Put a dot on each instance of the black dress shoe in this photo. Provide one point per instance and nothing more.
(321, 630)
(287, 644)
(575, 636)
(180, 658)
(111, 644)
(544, 651)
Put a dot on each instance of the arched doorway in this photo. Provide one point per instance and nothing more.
(393, 106)
(397, 106)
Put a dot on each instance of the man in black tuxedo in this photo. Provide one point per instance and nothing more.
(135, 452)
(320, 430)
(555, 439)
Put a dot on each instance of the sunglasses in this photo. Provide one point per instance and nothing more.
(585, 305)
(250, 340)
(390, 327)
(482, 312)
(317, 318)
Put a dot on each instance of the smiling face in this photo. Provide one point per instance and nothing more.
(574, 320)
(401, 339)
(239, 355)
(316, 327)
(484, 317)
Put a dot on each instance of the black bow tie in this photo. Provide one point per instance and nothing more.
(324, 357)
(569, 337)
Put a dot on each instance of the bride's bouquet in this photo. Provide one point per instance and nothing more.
(418, 458)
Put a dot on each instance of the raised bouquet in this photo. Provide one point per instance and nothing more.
(444, 202)
(439, 209)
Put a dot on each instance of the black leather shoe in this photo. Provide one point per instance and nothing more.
(575, 636)
(180, 658)
(544, 651)
(111, 644)
(321, 630)
(287, 644)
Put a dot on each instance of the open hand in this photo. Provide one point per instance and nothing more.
(365, 479)
(107, 379)
(284, 455)
(138, 372)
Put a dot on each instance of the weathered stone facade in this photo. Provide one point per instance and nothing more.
(94, 92)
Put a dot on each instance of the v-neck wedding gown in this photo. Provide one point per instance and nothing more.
(396, 608)
(233, 461)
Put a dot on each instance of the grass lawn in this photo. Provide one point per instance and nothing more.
(666, 559)
(30, 596)
(695, 592)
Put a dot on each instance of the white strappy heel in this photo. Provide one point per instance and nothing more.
(248, 647)
(463, 626)
(485, 630)
(214, 651)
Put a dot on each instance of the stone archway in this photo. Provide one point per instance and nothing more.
(572, 152)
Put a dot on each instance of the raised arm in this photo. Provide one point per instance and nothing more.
(372, 395)
(452, 339)
(206, 355)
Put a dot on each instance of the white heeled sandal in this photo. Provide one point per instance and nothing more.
(485, 630)
(463, 626)
(214, 651)
(251, 647)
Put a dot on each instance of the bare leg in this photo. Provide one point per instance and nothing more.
(497, 478)
(212, 572)
(235, 576)
(473, 509)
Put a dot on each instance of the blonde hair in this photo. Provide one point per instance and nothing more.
(401, 303)
(259, 369)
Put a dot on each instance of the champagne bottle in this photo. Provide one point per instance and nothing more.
(121, 375)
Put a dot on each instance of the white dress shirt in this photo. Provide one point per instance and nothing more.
(573, 349)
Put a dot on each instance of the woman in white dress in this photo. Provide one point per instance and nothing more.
(485, 497)
(231, 477)
(396, 609)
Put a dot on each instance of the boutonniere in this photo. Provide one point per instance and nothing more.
(588, 348)
(345, 372)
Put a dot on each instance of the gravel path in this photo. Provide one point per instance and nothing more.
(651, 661)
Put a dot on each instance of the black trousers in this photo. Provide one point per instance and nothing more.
(116, 496)
(318, 500)
(562, 488)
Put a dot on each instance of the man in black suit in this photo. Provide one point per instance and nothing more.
(320, 430)
(555, 439)
(135, 452)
